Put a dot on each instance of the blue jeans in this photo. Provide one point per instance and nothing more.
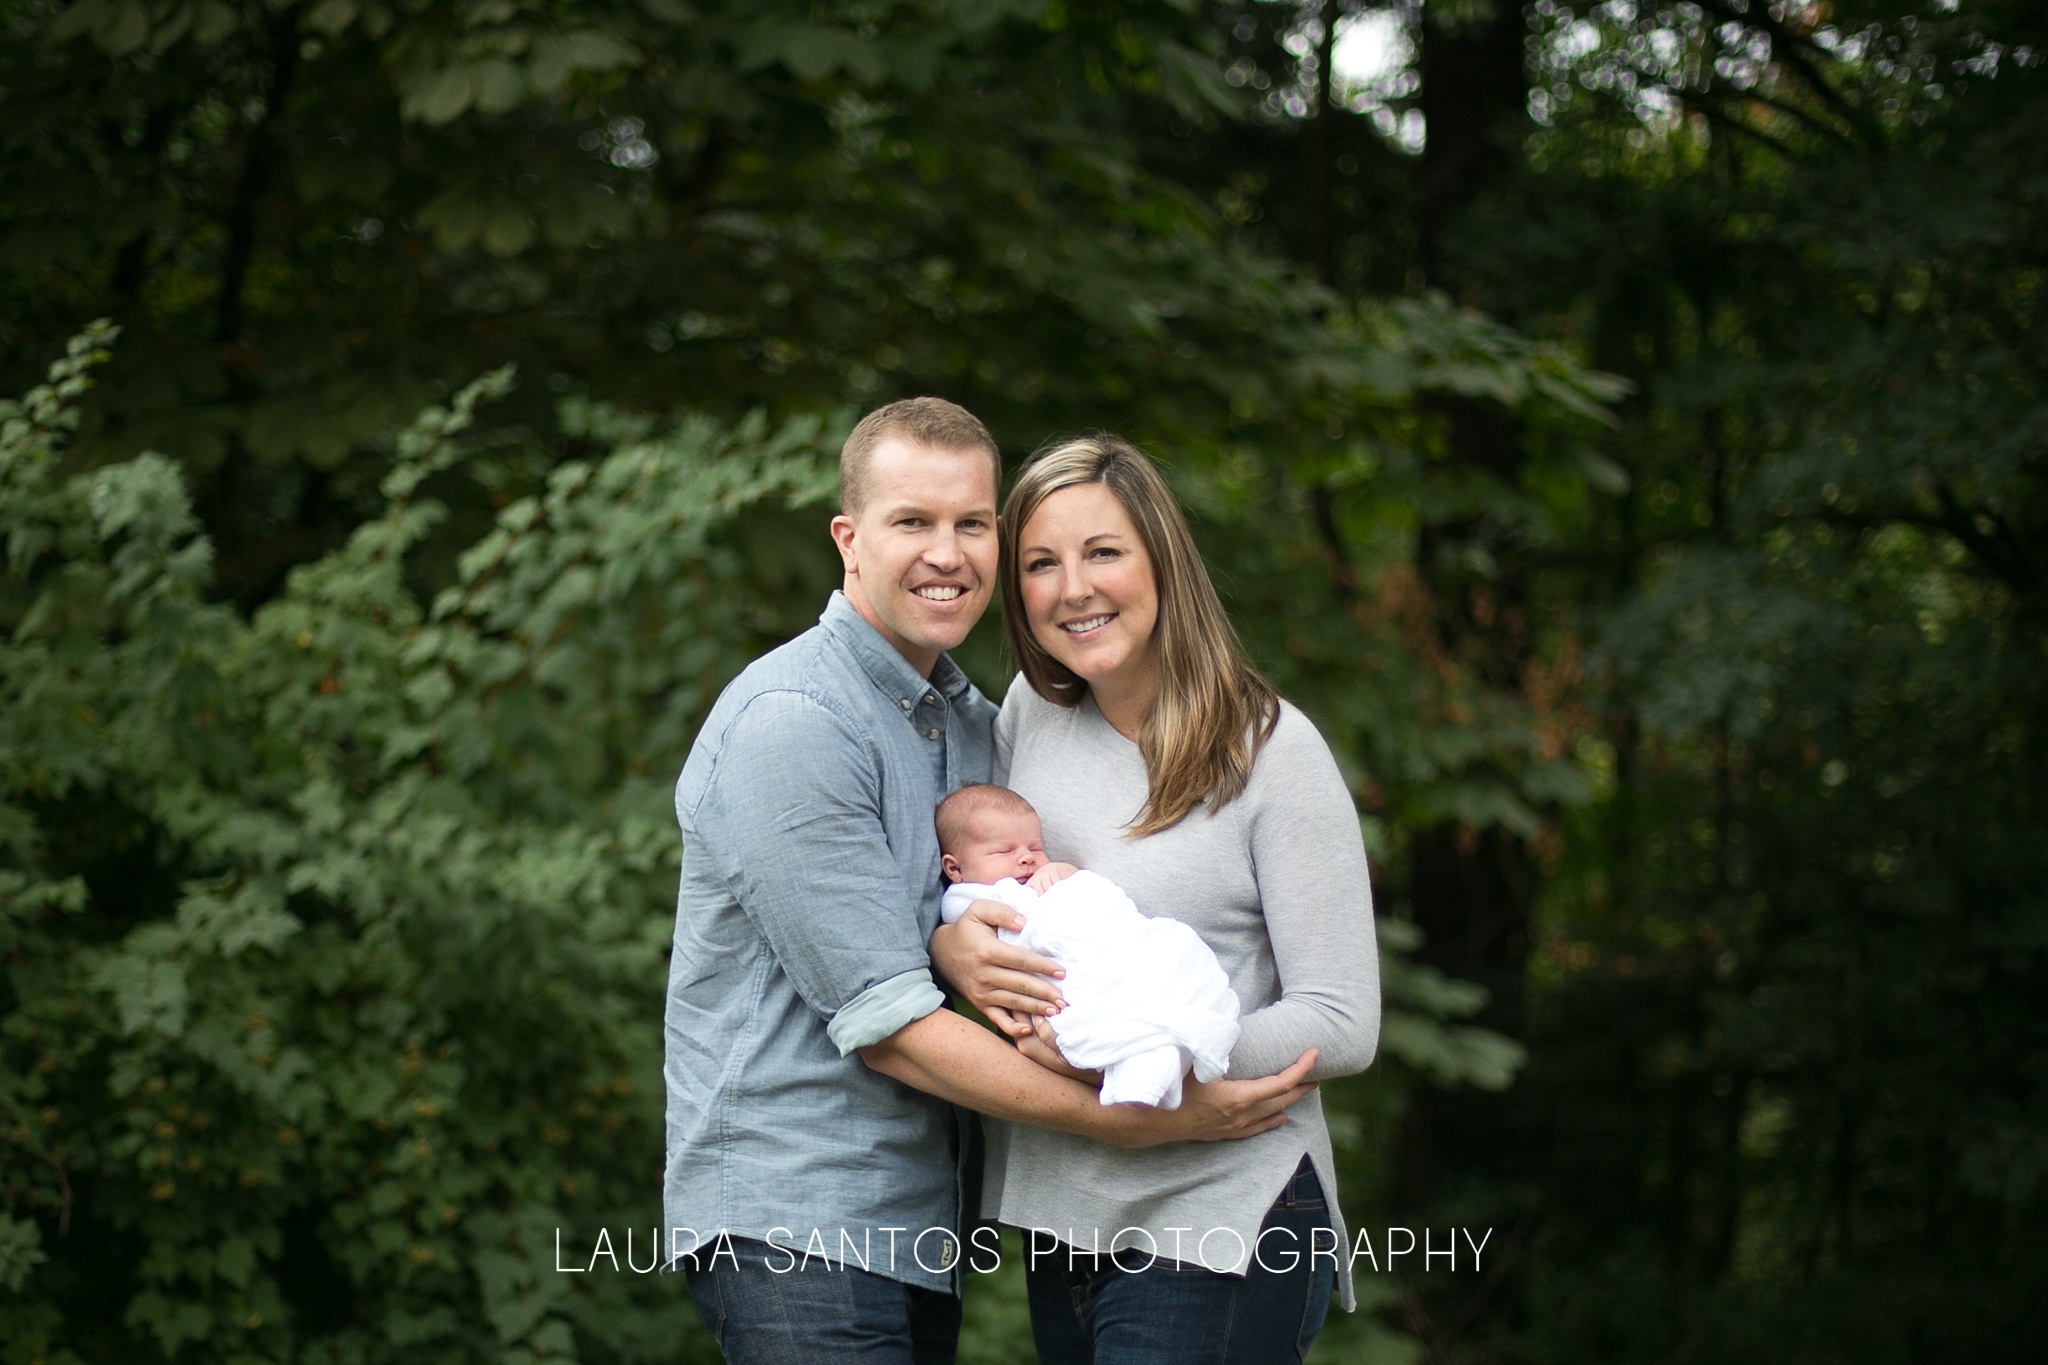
(1088, 1310)
(825, 1315)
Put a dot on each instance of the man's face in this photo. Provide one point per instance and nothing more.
(920, 555)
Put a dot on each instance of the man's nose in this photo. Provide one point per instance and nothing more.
(944, 551)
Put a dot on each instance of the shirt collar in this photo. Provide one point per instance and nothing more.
(879, 660)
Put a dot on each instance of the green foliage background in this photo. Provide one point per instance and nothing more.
(1641, 484)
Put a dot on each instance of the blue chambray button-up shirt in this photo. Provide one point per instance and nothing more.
(810, 884)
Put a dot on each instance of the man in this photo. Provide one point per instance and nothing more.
(811, 1065)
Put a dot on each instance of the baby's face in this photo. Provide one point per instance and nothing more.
(998, 844)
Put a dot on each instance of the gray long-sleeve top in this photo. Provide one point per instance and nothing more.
(1276, 883)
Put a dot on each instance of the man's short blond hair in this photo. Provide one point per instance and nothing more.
(918, 421)
(958, 810)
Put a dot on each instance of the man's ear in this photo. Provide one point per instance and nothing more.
(842, 538)
(949, 865)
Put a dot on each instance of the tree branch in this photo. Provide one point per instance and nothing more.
(1722, 119)
(1827, 130)
(1996, 552)
(1998, 547)
(1793, 49)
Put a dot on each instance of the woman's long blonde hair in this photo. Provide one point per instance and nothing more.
(1213, 711)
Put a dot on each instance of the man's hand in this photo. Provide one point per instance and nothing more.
(1215, 1110)
(1049, 876)
(1042, 1045)
(1003, 981)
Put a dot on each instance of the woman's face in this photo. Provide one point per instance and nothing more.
(1089, 594)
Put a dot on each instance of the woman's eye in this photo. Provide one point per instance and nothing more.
(1034, 565)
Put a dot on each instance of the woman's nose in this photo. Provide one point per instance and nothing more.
(1073, 587)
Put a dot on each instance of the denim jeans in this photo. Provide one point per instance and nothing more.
(1094, 1311)
(819, 1314)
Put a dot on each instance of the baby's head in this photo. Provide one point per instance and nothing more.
(987, 833)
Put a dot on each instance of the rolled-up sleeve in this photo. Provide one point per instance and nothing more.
(792, 818)
(1308, 857)
(883, 1008)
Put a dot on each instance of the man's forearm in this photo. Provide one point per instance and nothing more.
(945, 1054)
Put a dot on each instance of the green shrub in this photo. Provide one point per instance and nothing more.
(335, 938)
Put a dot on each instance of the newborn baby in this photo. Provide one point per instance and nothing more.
(1145, 996)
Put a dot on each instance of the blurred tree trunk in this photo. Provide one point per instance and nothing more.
(1474, 104)
(1317, 145)
(1471, 890)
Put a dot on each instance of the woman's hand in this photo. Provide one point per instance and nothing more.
(1215, 1111)
(1042, 1045)
(1003, 981)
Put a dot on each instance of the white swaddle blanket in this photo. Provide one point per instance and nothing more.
(1145, 996)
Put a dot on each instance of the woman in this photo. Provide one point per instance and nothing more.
(1157, 756)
